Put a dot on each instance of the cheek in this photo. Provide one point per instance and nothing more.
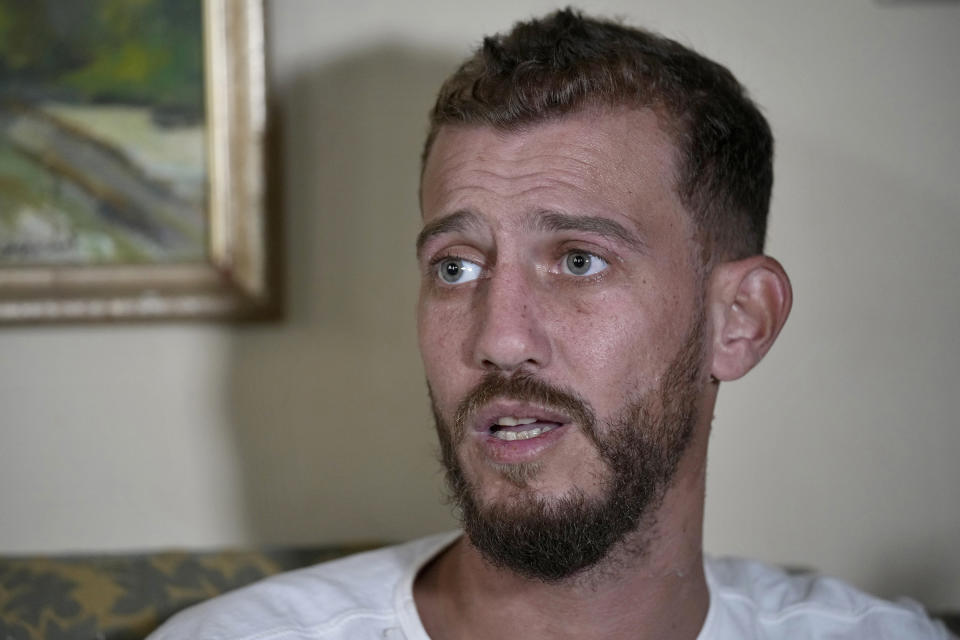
(594, 335)
(441, 344)
(614, 344)
(433, 342)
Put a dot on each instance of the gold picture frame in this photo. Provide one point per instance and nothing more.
(236, 279)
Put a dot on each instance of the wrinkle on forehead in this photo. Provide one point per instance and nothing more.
(548, 171)
(509, 164)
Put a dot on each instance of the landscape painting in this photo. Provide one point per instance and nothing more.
(102, 133)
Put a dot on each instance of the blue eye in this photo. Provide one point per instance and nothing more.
(581, 263)
(457, 271)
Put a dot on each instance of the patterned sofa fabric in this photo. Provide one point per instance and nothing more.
(125, 597)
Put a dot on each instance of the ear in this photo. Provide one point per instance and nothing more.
(749, 302)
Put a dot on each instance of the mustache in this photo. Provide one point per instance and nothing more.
(525, 387)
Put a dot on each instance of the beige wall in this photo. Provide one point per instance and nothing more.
(840, 452)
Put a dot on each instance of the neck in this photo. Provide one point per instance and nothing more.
(651, 585)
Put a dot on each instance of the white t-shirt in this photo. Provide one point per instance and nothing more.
(370, 595)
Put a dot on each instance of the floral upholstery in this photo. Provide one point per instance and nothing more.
(124, 597)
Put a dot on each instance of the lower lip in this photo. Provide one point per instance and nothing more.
(518, 451)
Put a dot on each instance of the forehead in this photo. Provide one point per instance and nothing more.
(617, 162)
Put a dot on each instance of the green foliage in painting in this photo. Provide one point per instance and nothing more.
(116, 51)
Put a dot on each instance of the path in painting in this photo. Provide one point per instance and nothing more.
(159, 221)
(98, 202)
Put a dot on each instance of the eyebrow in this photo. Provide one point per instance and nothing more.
(543, 221)
(456, 221)
(556, 221)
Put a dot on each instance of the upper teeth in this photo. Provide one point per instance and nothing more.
(523, 435)
(513, 421)
(510, 421)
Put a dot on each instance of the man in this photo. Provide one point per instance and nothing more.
(594, 202)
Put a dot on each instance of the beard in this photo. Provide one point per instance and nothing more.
(552, 539)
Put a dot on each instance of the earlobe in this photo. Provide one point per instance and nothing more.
(749, 302)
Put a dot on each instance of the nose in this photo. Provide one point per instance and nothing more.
(510, 333)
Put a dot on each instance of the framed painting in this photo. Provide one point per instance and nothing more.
(132, 171)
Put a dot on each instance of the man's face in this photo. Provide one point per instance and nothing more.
(561, 328)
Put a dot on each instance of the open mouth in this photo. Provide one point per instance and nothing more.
(511, 428)
(515, 431)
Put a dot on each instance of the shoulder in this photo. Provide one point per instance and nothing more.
(762, 601)
(314, 602)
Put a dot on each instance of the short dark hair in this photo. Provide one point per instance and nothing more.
(566, 62)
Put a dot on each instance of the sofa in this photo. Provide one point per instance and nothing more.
(126, 596)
